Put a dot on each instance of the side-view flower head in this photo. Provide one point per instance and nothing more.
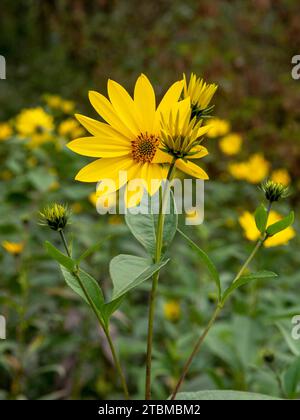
(200, 94)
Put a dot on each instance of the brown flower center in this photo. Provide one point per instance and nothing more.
(144, 147)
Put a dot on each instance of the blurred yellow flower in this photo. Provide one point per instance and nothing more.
(238, 170)
(218, 127)
(77, 208)
(32, 161)
(6, 175)
(14, 248)
(5, 131)
(231, 144)
(54, 186)
(53, 101)
(67, 106)
(172, 310)
(35, 124)
(199, 92)
(70, 128)
(281, 176)
(57, 102)
(254, 170)
(247, 221)
(115, 219)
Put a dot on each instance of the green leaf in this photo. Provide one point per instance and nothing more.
(61, 258)
(246, 279)
(291, 379)
(207, 261)
(285, 329)
(223, 395)
(143, 227)
(261, 217)
(129, 271)
(91, 286)
(111, 307)
(281, 225)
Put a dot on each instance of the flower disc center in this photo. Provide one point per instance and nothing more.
(144, 147)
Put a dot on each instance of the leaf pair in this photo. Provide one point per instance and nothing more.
(261, 219)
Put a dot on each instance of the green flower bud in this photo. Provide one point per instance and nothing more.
(274, 191)
(55, 216)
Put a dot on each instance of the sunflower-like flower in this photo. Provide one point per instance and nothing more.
(181, 137)
(200, 94)
(130, 139)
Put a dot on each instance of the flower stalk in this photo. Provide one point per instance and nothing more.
(163, 197)
(217, 312)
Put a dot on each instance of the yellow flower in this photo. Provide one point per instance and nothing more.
(130, 139)
(6, 175)
(5, 131)
(67, 106)
(199, 92)
(254, 170)
(35, 124)
(218, 127)
(238, 170)
(247, 221)
(281, 176)
(231, 144)
(57, 102)
(70, 128)
(103, 201)
(181, 136)
(172, 310)
(14, 248)
(53, 101)
(76, 207)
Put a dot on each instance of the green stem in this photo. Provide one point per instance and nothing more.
(117, 362)
(105, 329)
(194, 352)
(159, 241)
(214, 316)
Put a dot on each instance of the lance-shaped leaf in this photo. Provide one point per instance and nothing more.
(206, 260)
(61, 258)
(259, 275)
(281, 224)
(261, 217)
(129, 271)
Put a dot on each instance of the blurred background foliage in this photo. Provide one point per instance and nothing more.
(54, 348)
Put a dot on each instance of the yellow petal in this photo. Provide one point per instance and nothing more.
(191, 169)
(124, 106)
(171, 96)
(120, 179)
(98, 128)
(100, 147)
(134, 192)
(144, 98)
(103, 169)
(161, 157)
(200, 152)
(108, 113)
(152, 176)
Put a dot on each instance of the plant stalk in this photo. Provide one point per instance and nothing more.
(163, 199)
(215, 315)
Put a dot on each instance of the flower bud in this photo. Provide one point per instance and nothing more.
(55, 216)
(274, 191)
